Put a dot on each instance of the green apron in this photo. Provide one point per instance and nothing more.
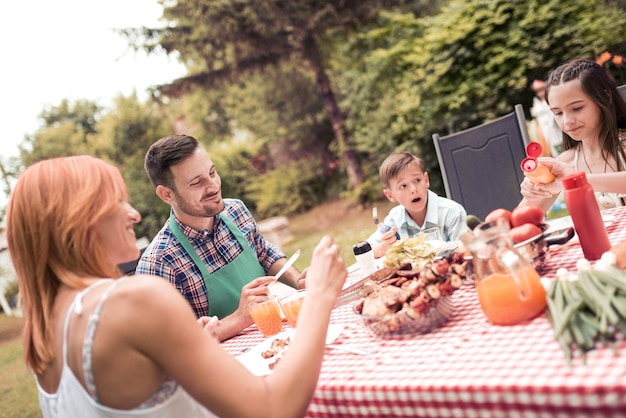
(223, 287)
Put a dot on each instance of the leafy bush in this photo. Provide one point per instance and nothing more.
(235, 163)
(292, 189)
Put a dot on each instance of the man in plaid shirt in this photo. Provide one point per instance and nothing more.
(210, 248)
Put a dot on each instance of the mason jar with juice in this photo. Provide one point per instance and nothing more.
(266, 316)
(291, 305)
(509, 289)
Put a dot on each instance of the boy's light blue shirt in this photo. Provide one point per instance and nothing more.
(444, 213)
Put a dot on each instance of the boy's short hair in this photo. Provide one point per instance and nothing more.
(395, 163)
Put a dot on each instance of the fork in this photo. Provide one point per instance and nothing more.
(375, 215)
(348, 349)
(381, 227)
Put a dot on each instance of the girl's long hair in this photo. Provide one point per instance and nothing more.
(51, 214)
(596, 83)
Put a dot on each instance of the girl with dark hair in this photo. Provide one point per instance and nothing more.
(591, 113)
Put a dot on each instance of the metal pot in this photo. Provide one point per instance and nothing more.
(536, 249)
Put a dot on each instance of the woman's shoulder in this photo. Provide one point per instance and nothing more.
(141, 305)
(142, 292)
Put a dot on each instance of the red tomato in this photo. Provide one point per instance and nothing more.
(524, 232)
(527, 215)
(497, 214)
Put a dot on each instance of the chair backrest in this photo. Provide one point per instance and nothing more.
(128, 268)
(622, 90)
(480, 166)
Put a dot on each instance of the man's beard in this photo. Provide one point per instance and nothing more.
(202, 211)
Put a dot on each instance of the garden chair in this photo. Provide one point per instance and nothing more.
(480, 166)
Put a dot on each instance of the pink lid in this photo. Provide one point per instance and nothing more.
(533, 149)
(529, 164)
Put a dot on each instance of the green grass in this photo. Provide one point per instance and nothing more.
(345, 222)
(18, 393)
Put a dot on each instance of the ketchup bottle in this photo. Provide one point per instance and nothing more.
(583, 208)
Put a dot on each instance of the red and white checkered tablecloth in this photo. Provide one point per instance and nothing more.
(468, 367)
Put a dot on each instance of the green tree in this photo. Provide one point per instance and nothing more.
(121, 135)
(129, 129)
(225, 40)
(467, 65)
(68, 129)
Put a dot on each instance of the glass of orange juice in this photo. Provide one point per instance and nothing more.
(266, 316)
(509, 288)
(291, 306)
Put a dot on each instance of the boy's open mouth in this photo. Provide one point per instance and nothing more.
(417, 199)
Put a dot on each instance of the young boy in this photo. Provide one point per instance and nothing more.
(405, 181)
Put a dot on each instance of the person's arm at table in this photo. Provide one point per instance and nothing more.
(535, 195)
(385, 242)
(269, 256)
(612, 182)
(544, 195)
(381, 242)
(608, 182)
(233, 324)
(230, 325)
(291, 277)
(171, 339)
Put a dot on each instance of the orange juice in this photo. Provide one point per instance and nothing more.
(266, 316)
(291, 306)
(505, 302)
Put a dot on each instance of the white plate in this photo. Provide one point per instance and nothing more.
(260, 366)
(566, 221)
(608, 220)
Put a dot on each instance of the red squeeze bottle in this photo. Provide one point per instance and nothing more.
(583, 208)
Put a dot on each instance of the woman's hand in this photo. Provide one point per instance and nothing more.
(327, 272)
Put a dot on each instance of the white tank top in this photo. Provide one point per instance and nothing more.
(605, 200)
(72, 400)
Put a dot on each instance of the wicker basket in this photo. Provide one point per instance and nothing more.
(401, 323)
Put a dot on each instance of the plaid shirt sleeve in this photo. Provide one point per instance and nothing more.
(266, 252)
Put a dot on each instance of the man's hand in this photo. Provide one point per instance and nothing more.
(255, 291)
(302, 279)
(209, 325)
(292, 277)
